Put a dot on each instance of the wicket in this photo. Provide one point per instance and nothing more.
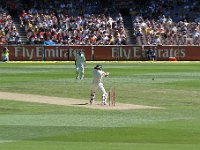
(112, 96)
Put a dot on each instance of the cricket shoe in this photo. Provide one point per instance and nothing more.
(91, 101)
(103, 103)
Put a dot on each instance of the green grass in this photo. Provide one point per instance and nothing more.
(32, 126)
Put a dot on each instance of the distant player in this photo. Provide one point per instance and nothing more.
(80, 61)
(5, 54)
(97, 75)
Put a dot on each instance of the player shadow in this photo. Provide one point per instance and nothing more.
(82, 104)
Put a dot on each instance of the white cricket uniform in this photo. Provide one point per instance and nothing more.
(97, 83)
(80, 60)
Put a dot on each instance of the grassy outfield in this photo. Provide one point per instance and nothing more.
(174, 88)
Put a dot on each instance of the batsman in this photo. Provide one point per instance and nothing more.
(97, 75)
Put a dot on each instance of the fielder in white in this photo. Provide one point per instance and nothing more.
(80, 61)
(97, 75)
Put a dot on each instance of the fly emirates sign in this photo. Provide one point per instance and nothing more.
(129, 53)
(132, 53)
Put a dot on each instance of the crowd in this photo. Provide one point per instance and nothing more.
(88, 22)
(8, 31)
(166, 32)
(152, 28)
(63, 25)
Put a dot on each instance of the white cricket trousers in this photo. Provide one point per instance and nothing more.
(80, 71)
(99, 86)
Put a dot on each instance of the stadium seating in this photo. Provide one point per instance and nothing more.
(100, 22)
(166, 23)
(8, 31)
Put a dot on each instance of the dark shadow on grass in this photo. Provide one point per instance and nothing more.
(82, 104)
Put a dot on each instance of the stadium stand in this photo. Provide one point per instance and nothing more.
(166, 22)
(73, 23)
(8, 31)
(100, 22)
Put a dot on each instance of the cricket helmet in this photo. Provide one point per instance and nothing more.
(98, 67)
